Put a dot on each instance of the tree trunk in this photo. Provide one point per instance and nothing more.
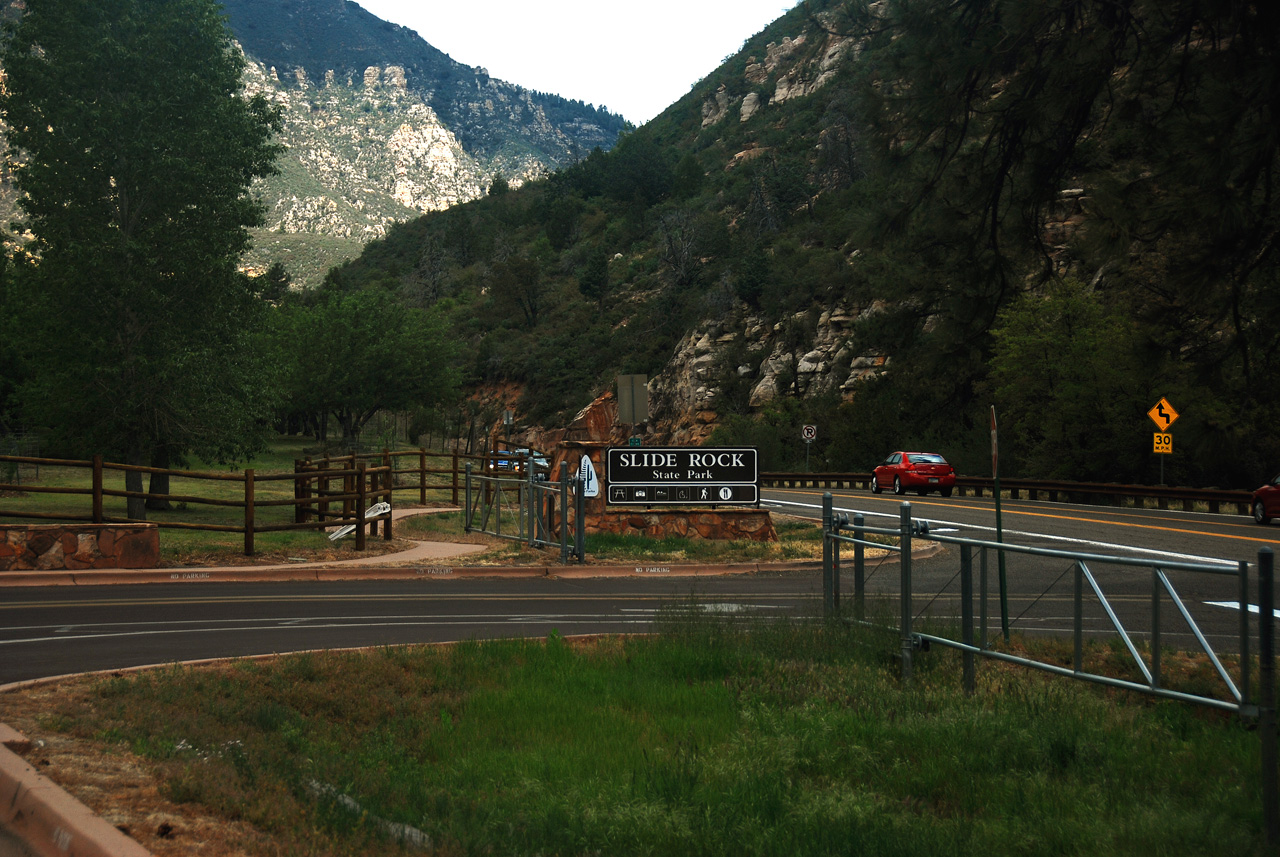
(159, 501)
(136, 506)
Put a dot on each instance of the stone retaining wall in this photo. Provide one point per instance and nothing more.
(729, 524)
(27, 547)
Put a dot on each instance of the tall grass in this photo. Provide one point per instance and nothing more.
(716, 735)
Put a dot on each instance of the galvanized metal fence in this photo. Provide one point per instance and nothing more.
(534, 511)
(1087, 588)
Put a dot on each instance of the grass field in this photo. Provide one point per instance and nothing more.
(718, 735)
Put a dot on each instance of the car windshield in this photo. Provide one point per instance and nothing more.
(926, 458)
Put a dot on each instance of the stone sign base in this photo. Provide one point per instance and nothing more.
(26, 547)
(726, 524)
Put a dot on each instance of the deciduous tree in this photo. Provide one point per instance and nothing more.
(138, 151)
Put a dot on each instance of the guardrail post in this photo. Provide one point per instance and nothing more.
(361, 504)
(97, 489)
(966, 614)
(1267, 694)
(828, 607)
(248, 513)
(905, 556)
(859, 570)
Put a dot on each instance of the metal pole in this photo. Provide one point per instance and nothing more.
(966, 615)
(1155, 626)
(1246, 694)
(1267, 694)
(905, 620)
(532, 513)
(564, 513)
(827, 519)
(1078, 629)
(859, 570)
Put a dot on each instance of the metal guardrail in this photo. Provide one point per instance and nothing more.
(1241, 699)
(544, 514)
(1085, 493)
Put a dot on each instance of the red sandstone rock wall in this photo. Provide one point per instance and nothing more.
(26, 547)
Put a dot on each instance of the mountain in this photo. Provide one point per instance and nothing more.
(380, 127)
(884, 219)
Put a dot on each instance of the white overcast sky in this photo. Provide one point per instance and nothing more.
(636, 58)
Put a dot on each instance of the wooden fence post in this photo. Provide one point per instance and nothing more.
(389, 487)
(386, 525)
(362, 504)
(248, 513)
(455, 477)
(422, 476)
(97, 489)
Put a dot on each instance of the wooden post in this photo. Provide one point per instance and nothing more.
(299, 514)
(422, 476)
(387, 498)
(248, 513)
(455, 477)
(390, 487)
(322, 484)
(362, 502)
(97, 489)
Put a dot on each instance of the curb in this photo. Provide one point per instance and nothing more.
(250, 574)
(48, 820)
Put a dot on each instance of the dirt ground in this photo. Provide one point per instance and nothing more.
(118, 786)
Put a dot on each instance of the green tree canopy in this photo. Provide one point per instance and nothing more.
(137, 153)
(355, 354)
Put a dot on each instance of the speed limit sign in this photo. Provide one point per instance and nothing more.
(809, 433)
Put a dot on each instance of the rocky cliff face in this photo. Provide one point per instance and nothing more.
(381, 127)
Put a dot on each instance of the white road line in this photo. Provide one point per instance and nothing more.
(1046, 536)
(1235, 605)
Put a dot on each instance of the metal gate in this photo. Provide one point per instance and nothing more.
(534, 511)
(1087, 588)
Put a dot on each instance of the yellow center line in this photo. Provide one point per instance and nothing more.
(1023, 512)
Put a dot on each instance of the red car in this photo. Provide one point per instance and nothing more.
(914, 471)
(1266, 502)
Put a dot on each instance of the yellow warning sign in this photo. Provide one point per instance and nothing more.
(1163, 414)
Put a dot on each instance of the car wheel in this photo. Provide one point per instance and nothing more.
(945, 492)
(875, 485)
(1260, 513)
(897, 486)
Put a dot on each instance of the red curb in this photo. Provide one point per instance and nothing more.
(51, 822)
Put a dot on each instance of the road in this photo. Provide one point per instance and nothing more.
(58, 630)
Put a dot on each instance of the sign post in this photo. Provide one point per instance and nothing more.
(995, 477)
(809, 433)
(1164, 416)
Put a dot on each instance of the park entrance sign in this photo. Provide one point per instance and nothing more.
(681, 476)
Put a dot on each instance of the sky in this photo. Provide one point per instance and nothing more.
(636, 58)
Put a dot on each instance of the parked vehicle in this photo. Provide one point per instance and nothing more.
(512, 460)
(914, 471)
(1266, 502)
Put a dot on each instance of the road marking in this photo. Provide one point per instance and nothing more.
(1235, 605)
(1046, 536)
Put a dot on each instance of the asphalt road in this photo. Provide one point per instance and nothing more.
(60, 630)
